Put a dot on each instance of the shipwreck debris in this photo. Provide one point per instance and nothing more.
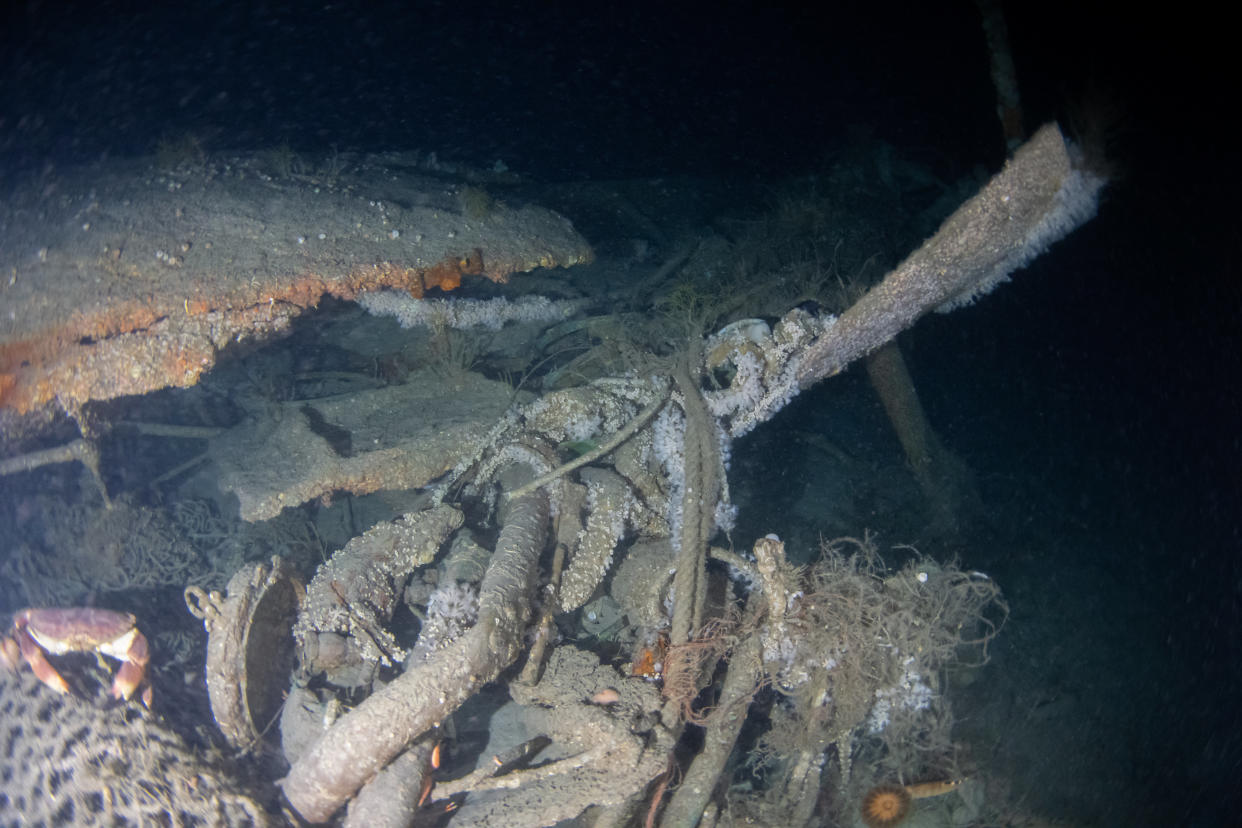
(124, 279)
(249, 647)
(401, 437)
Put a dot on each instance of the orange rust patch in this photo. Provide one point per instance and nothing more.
(196, 307)
(382, 275)
(649, 662)
(35, 369)
(119, 319)
(304, 292)
(447, 275)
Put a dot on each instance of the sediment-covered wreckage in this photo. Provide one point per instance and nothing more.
(518, 535)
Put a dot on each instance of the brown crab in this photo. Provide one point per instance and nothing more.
(39, 632)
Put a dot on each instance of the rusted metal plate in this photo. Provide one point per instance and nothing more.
(121, 278)
(401, 437)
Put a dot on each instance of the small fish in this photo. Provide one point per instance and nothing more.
(924, 790)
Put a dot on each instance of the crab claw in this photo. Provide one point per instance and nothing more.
(10, 654)
(133, 670)
(39, 665)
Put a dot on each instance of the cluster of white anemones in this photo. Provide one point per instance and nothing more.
(491, 314)
(452, 609)
(909, 693)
